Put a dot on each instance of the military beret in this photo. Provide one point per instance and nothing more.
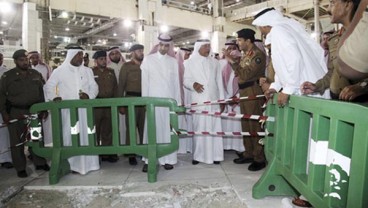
(99, 54)
(136, 47)
(20, 53)
(246, 34)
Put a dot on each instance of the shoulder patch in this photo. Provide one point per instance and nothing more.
(258, 60)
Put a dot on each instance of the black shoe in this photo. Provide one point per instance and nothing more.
(168, 167)
(240, 154)
(132, 161)
(145, 168)
(216, 162)
(43, 167)
(256, 166)
(22, 174)
(195, 162)
(243, 160)
(111, 159)
(7, 165)
(30, 157)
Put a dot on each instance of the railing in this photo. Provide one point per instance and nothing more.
(58, 153)
(317, 148)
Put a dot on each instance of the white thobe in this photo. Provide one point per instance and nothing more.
(294, 60)
(160, 78)
(231, 124)
(206, 71)
(67, 82)
(122, 126)
(5, 154)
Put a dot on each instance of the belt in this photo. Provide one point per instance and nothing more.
(135, 94)
(246, 84)
(23, 107)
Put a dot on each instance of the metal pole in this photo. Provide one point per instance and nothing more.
(316, 20)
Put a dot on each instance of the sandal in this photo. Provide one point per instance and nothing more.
(300, 202)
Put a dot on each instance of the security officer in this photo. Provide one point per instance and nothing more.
(340, 87)
(250, 68)
(130, 86)
(20, 88)
(107, 88)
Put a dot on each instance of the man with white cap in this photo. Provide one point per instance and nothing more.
(297, 58)
(202, 76)
(38, 65)
(73, 81)
(160, 78)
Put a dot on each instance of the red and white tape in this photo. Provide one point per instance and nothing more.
(222, 133)
(233, 115)
(4, 124)
(225, 100)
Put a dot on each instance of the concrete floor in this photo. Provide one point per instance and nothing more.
(121, 185)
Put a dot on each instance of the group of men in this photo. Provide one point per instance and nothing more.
(296, 66)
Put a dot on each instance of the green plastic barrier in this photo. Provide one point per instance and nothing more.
(58, 153)
(317, 148)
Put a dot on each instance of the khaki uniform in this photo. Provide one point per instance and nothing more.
(333, 79)
(107, 88)
(270, 74)
(18, 92)
(130, 86)
(249, 70)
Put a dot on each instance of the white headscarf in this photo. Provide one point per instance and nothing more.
(197, 45)
(165, 39)
(70, 54)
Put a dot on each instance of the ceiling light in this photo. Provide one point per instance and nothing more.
(1, 32)
(64, 14)
(188, 42)
(192, 2)
(55, 36)
(127, 23)
(205, 34)
(4, 22)
(114, 34)
(237, 0)
(67, 29)
(164, 28)
(104, 42)
(5, 7)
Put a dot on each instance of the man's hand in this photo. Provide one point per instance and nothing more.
(228, 56)
(269, 93)
(351, 92)
(308, 88)
(282, 99)
(57, 99)
(222, 107)
(43, 115)
(6, 117)
(83, 96)
(264, 84)
(122, 110)
(198, 87)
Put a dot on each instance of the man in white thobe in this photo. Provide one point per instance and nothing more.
(72, 81)
(185, 120)
(160, 78)
(115, 61)
(296, 57)
(36, 64)
(203, 78)
(231, 89)
(5, 154)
